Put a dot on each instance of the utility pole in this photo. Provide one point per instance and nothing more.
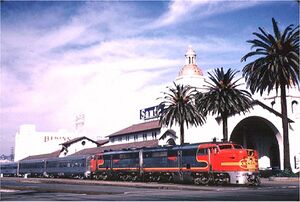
(12, 154)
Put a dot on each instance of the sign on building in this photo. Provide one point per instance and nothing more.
(150, 112)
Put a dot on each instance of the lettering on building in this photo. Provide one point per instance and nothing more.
(150, 112)
(50, 138)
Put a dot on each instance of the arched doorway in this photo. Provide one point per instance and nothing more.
(260, 134)
(171, 141)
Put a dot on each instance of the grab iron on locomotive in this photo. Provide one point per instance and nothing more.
(204, 163)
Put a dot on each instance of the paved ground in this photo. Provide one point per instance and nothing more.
(62, 189)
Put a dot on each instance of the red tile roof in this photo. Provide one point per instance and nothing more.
(43, 156)
(102, 142)
(141, 127)
(68, 143)
(96, 150)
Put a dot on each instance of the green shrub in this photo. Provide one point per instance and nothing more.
(287, 173)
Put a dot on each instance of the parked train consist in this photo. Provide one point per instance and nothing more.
(219, 163)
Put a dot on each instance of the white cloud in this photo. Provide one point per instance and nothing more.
(109, 89)
(184, 10)
(95, 63)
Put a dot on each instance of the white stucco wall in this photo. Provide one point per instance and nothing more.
(213, 129)
(131, 138)
(29, 142)
(77, 146)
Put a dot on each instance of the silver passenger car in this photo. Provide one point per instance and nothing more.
(71, 166)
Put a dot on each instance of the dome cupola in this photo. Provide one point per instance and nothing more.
(190, 73)
(190, 68)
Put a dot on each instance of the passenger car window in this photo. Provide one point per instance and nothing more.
(147, 154)
(189, 152)
(159, 154)
(172, 152)
(129, 156)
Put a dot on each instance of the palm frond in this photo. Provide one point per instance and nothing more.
(279, 60)
(276, 30)
(179, 107)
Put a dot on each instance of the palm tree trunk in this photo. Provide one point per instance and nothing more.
(181, 133)
(286, 143)
(225, 128)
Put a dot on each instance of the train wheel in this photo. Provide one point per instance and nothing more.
(128, 178)
(253, 180)
(221, 179)
(203, 179)
(104, 177)
(135, 178)
(197, 181)
(171, 178)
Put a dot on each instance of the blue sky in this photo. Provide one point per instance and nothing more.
(110, 59)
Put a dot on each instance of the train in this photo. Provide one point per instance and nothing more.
(202, 163)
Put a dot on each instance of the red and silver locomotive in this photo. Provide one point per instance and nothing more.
(218, 163)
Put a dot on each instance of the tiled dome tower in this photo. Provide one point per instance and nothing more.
(190, 73)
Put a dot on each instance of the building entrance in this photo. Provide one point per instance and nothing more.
(259, 134)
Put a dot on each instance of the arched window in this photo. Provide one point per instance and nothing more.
(171, 141)
(294, 103)
(272, 103)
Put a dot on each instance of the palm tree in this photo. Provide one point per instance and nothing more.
(223, 97)
(276, 65)
(178, 107)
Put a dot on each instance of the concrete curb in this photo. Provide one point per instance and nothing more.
(151, 185)
(287, 179)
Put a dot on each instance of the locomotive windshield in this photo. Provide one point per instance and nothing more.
(225, 146)
(236, 146)
(229, 146)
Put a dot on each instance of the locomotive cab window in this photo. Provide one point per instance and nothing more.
(236, 146)
(106, 157)
(213, 150)
(226, 146)
(95, 157)
(202, 152)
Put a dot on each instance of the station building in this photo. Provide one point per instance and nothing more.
(29, 141)
(259, 129)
